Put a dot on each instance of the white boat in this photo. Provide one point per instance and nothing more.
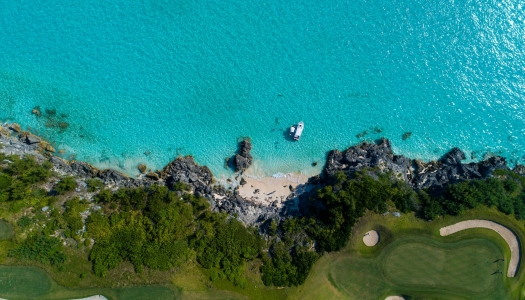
(297, 130)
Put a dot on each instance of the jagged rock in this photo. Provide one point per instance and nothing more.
(153, 175)
(519, 169)
(243, 159)
(50, 148)
(184, 169)
(433, 175)
(243, 181)
(453, 157)
(83, 169)
(59, 162)
(31, 139)
(112, 176)
(486, 167)
(142, 168)
(15, 127)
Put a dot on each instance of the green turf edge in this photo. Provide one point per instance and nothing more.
(395, 227)
(391, 228)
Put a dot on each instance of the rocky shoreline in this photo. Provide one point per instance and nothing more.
(433, 175)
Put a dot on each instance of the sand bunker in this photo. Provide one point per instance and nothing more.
(371, 238)
(394, 298)
(505, 233)
(96, 297)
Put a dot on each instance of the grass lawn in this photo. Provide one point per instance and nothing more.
(6, 231)
(411, 259)
(17, 282)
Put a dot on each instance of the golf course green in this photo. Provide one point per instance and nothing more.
(413, 261)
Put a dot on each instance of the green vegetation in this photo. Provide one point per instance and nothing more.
(156, 236)
(94, 184)
(506, 191)
(33, 283)
(412, 259)
(6, 231)
(66, 184)
(19, 180)
(157, 229)
(41, 248)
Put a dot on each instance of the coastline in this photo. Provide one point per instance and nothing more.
(253, 198)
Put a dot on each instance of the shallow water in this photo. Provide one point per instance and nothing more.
(144, 81)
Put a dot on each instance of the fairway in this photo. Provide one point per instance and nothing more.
(17, 282)
(22, 282)
(6, 231)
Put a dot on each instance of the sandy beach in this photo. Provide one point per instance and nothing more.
(268, 190)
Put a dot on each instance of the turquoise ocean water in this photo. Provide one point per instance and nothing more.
(183, 77)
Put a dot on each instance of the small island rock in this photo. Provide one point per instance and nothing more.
(50, 148)
(243, 159)
(142, 168)
(15, 127)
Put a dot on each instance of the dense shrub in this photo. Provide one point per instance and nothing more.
(41, 248)
(66, 184)
(94, 184)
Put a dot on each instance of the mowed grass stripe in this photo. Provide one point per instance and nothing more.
(465, 266)
(357, 278)
(22, 282)
(419, 264)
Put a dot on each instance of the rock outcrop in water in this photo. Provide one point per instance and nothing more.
(243, 159)
(185, 170)
(433, 175)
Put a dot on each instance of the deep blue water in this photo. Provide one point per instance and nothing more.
(191, 77)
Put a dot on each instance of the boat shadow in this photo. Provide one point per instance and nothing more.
(287, 136)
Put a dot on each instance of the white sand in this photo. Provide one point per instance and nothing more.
(394, 298)
(271, 189)
(505, 233)
(96, 297)
(371, 238)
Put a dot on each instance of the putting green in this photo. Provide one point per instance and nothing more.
(465, 266)
(6, 231)
(417, 265)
